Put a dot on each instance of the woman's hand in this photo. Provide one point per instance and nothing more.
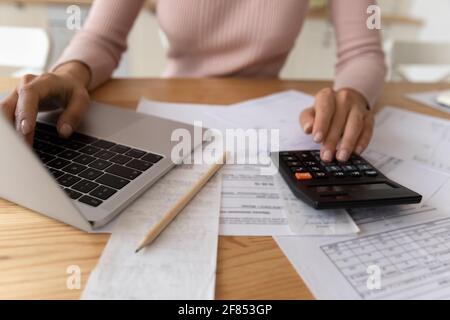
(66, 87)
(341, 121)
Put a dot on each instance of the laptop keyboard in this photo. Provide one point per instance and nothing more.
(90, 170)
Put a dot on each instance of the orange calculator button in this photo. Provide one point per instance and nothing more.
(303, 176)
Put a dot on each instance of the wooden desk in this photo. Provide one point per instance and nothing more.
(35, 251)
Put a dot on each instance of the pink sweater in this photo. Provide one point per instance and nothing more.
(238, 38)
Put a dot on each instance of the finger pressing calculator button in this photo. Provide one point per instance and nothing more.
(371, 173)
(303, 176)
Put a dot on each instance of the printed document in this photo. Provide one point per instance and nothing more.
(412, 136)
(180, 263)
(401, 252)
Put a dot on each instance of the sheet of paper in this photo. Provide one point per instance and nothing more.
(407, 263)
(412, 136)
(429, 99)
(405, 247)
(186, 112)
(277, 111)
(251, 203)
(181, 263)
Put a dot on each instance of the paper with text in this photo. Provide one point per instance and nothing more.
(412, 136)
(180, 263)
(251, 203)
(407, 244)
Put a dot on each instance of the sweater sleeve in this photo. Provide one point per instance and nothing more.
(103, 38)
(360, 58)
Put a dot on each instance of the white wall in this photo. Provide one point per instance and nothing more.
(436, 15)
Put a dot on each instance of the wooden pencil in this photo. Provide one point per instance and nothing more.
(168, 217)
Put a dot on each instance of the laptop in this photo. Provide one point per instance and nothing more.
(87, 180)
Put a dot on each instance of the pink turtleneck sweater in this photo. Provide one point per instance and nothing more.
(238, 38)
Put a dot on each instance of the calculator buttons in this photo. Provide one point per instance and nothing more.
(304, 155)
(298, 169)
(348, 168)
(364, 167)
(339, 174)
(320, 175)
(307, 165)
(355, 174)
(294, 163)
(303, 176)
(371, 173)
(333, 168)
(358, 161)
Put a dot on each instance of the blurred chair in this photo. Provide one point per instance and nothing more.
(26, 49)
(420, 61)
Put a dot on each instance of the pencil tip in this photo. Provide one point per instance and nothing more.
(137, 250)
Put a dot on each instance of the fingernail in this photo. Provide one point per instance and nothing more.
(307, 127)
(327, 156)
(318, 137)
(359, 150)
(26, 127)
(65, 130)
(343, 155)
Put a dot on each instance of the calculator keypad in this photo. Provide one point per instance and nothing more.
(307, 165)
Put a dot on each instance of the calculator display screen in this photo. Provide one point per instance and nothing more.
(352, 187)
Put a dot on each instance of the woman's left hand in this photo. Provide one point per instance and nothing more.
(341, 121)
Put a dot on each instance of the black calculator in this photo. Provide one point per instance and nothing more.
(328, 185)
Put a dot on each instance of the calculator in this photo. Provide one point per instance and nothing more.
(328, 185)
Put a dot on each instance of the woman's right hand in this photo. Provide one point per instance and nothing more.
(64, 87)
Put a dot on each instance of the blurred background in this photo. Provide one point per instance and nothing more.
(416, 38)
